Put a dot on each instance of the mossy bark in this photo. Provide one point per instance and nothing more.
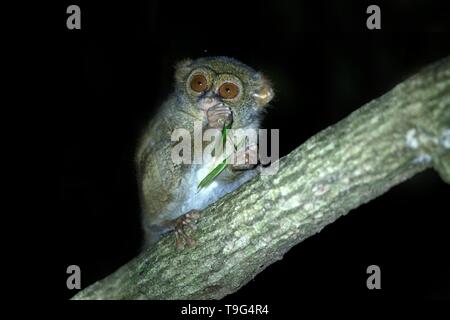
(376, 147)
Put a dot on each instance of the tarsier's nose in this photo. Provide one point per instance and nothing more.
(209, 96)
(207, 101)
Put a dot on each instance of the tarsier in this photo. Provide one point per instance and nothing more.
(219, 91)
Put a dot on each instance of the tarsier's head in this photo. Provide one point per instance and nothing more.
(207, 82)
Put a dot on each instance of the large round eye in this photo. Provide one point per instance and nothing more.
(228, 90)
(199, 83)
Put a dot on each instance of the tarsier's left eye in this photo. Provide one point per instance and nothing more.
(199, 83)
(228, 90)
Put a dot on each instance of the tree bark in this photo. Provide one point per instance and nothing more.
(376, 147)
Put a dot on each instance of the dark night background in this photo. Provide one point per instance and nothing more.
(324, 64)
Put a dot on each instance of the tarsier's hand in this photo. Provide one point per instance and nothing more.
(219, 115)
(246, 158)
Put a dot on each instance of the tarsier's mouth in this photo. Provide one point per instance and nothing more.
(205, 104)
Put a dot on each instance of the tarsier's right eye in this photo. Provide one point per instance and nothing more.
(199, 83)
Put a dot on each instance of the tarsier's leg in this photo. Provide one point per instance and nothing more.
(219, 115)
(179, 226)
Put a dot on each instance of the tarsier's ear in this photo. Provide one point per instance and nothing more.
(264, 94)
(182, 69)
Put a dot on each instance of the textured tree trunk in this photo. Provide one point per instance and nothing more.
(350, 163)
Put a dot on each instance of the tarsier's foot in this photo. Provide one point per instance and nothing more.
(219, 115)
(246, 158)
(186, 220)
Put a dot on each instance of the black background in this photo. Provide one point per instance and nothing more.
(324, 64)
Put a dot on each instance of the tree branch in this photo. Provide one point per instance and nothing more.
(376, 147)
